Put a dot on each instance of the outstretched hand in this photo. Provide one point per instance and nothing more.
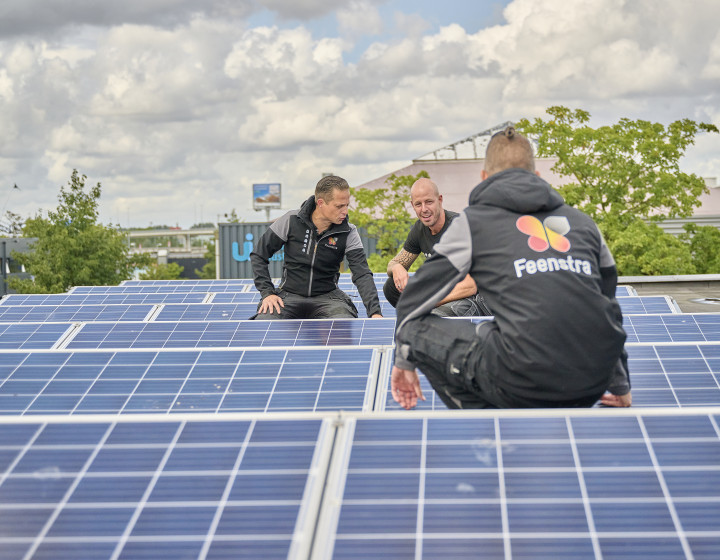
(405, 387)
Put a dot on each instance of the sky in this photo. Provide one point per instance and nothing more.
(177, 107)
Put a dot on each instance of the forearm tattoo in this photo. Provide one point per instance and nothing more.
(404, 258)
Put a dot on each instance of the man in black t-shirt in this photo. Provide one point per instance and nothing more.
(432, 222)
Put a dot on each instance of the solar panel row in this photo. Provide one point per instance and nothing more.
(503, 484)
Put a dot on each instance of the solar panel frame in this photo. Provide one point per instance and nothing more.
(133, 487)
(75, 313)
(662, 375)
(103, 299)
(516, 484)
(232, 334)
(199, 381)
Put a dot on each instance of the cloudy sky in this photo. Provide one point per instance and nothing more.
(178, 106)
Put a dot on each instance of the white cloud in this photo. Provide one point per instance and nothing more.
(172, 109)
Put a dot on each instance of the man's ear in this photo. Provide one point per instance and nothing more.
(484, 175)
(319, 202)
(537, 173)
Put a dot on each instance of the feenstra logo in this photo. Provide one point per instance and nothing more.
(548, 233)
(543, 235)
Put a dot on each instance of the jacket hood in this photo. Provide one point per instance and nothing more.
(307, 208)
(517, 190)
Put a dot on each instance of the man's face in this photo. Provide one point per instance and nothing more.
(427, 204)
(335, 209)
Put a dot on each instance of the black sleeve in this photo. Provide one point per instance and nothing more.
(269, 244)
(412, 243)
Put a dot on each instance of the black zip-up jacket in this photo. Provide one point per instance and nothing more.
(312, 261)
(549, 278)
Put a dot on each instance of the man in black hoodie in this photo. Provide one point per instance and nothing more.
(316, 239)
(543, 267)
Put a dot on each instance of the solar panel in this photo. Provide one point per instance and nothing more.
(662, 375)
(525, 485)
(102, 299)
(73, 313)
(644, 305)
(162, 289)
(220, 488)
(681, 327)
(625, 291)
(244, 334)
(235, 297)
(191, 282)
(217, 381)
(24, 336)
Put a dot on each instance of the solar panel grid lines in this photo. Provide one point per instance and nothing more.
(169, 382)
(234, 334)
(516, 484)
(102, 299)
(662, 375)
(75, 313)
(195, 487)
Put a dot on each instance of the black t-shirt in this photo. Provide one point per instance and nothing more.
(420, 240)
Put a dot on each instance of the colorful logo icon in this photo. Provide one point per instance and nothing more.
(548, 233)
(332, 240)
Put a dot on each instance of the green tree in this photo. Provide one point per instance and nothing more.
(704, 243)
(208, 271)
(11, 225)
(644, 249)
(384, 214)
(72, 248)
(169, 271)
(622, 175)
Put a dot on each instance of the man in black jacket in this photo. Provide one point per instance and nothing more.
(557, 338)
(316, 239)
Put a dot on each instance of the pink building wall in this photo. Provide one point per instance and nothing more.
(456, 178)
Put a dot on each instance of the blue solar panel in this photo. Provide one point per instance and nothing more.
(235, 297)
(662, 375)
(196, 282)
(221, 489)
(644, 305)
(161, 289)
(681, 327)
(625, 291)
(244, 334)
(208, 312)
(24, 336)
(530, 486)
(102, 299)
(73, 313)
(216, 381)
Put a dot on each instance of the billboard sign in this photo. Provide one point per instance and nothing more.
(266, 195)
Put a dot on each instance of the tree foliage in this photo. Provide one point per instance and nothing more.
(385, 216)
(704, 245)
(11, 225)
(208, 271)
(72, 248)
(624, 175)
(169, 271)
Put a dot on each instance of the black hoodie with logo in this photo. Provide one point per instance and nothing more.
(549, 278)
(312, 262)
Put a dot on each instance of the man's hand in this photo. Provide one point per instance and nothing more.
(405, 387)
(608, 399)
(271, 304)
(400, 277)
(376, 316)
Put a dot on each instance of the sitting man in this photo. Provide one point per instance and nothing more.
(432, 222)
(557, 338)
(316, 239)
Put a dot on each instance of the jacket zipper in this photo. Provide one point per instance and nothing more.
(312, 262)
